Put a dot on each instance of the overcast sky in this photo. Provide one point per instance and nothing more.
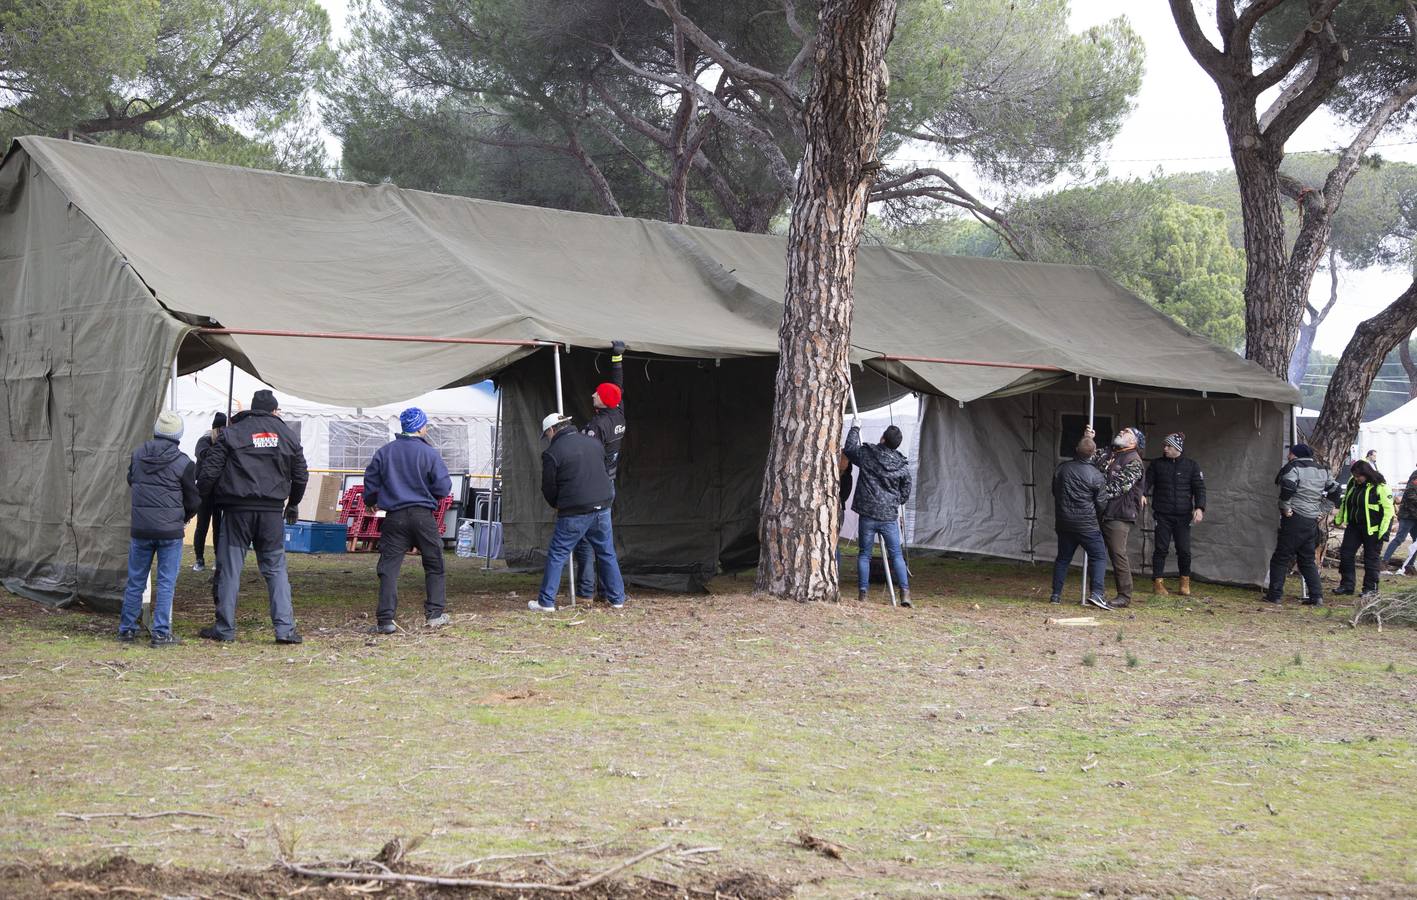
(1175, 127)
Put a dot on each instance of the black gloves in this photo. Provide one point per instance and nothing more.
(292, 515)
(617, 350)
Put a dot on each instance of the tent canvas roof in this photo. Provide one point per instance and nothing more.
(260, 250)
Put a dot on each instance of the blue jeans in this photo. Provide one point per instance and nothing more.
(1091, 543)
(140, 559)
(595, 528)
(866, 537)
(1405, 527)
(585, 562)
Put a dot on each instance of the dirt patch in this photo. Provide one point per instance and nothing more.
(120, 876)
(511, 698)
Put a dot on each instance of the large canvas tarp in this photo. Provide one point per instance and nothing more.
(110, 257)
(978, 463)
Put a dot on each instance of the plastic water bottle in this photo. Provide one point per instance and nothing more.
(465, 539)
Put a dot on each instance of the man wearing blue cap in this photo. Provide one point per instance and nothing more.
(407, 478)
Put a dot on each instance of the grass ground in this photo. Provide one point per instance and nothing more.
(1212, 746)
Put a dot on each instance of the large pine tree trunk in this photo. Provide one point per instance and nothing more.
(843, 116)
(1271, 322)
(1342, 411)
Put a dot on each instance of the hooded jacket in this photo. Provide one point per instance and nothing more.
(1304, 488)
(1408, 509)
(164, 485)
(1368, 506)
(1077, 496)
(256, 464)
(406, 471)
(1176, 486)
(884, 482)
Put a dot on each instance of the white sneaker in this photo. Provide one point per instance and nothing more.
(199, 567)
(535, 606)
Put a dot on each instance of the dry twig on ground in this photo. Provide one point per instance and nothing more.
(1387, 609)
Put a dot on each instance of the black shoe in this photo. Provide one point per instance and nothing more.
(127, 637)
(1119, 603)
(1274, 600)
(1055, 598)
(1097, 600)
(164, 640)
(384, 628)
(292, 638)
(211, 634)
(1346, 592)
(1313, 601)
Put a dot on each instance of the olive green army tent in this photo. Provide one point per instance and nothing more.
(117, 268)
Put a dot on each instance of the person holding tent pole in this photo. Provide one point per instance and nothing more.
(607, 425)
(208, 516)
(254, 471)
(165, 497)
(576, 485)
(1176, 485)
(1077, 502)
(1123, 471)
(882, 485)
(407, 478)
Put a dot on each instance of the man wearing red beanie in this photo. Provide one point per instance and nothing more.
(607, 425)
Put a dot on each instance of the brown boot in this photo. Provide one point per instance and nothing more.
(1158, 587)
(1185, 585)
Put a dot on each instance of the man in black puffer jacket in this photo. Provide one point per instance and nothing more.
(1077, 501)
(881, 487)
(1177, 488)
(252, 473)
(164, 498)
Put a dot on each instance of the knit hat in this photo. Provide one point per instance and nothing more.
(413, 420)
(609, 394)
(169, 425)
(219, 420)
(1177, 441)
(1302, 451)
(264, 401)
(1140, 436)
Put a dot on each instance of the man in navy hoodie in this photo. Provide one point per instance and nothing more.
(407, 478)
(164, 498)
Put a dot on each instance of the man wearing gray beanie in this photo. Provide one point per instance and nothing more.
(163, 479)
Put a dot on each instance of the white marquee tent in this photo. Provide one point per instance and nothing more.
(1394, 436)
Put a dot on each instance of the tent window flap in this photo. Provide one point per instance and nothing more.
(28, 396)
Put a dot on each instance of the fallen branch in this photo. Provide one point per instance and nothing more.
(1387, 609)
(506, 856)
(444, 881)
(84, 817)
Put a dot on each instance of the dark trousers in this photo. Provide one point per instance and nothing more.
(1354, 537)
(1298, 537)
(1117, 534)
(402, 529)
(1168, 527)
(263, 530)
(584, 557)
(207, 516)
(1091, 543)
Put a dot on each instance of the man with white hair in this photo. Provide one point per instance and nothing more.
(575, 483)
(1123, 471)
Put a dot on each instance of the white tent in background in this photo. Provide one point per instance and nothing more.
(462, 422)
(1394, 436)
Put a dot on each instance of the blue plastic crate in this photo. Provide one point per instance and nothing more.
(315, 537)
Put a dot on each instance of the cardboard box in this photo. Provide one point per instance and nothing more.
(321, 500)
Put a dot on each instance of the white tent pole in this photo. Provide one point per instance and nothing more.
(561, 411)
(1091, 405)
(172, 387)
(230, 390)
(492, 490)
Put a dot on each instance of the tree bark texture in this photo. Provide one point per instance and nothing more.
(1408, 366)
(1353, 377)
(843, 119)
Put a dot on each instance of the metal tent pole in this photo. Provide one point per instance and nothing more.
(1091, 406)
(230, 390)
(496, 472)
(561, 411)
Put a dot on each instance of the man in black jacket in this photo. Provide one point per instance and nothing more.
(575, 483)
(1177, 489)
(607, 425)
(253, 472)
(1077, 501)
(209, 515)
(164, 498)
(881, 487)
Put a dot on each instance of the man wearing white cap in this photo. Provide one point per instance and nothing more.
(575, 483)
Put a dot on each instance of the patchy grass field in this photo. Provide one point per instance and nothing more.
(1213, 746)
